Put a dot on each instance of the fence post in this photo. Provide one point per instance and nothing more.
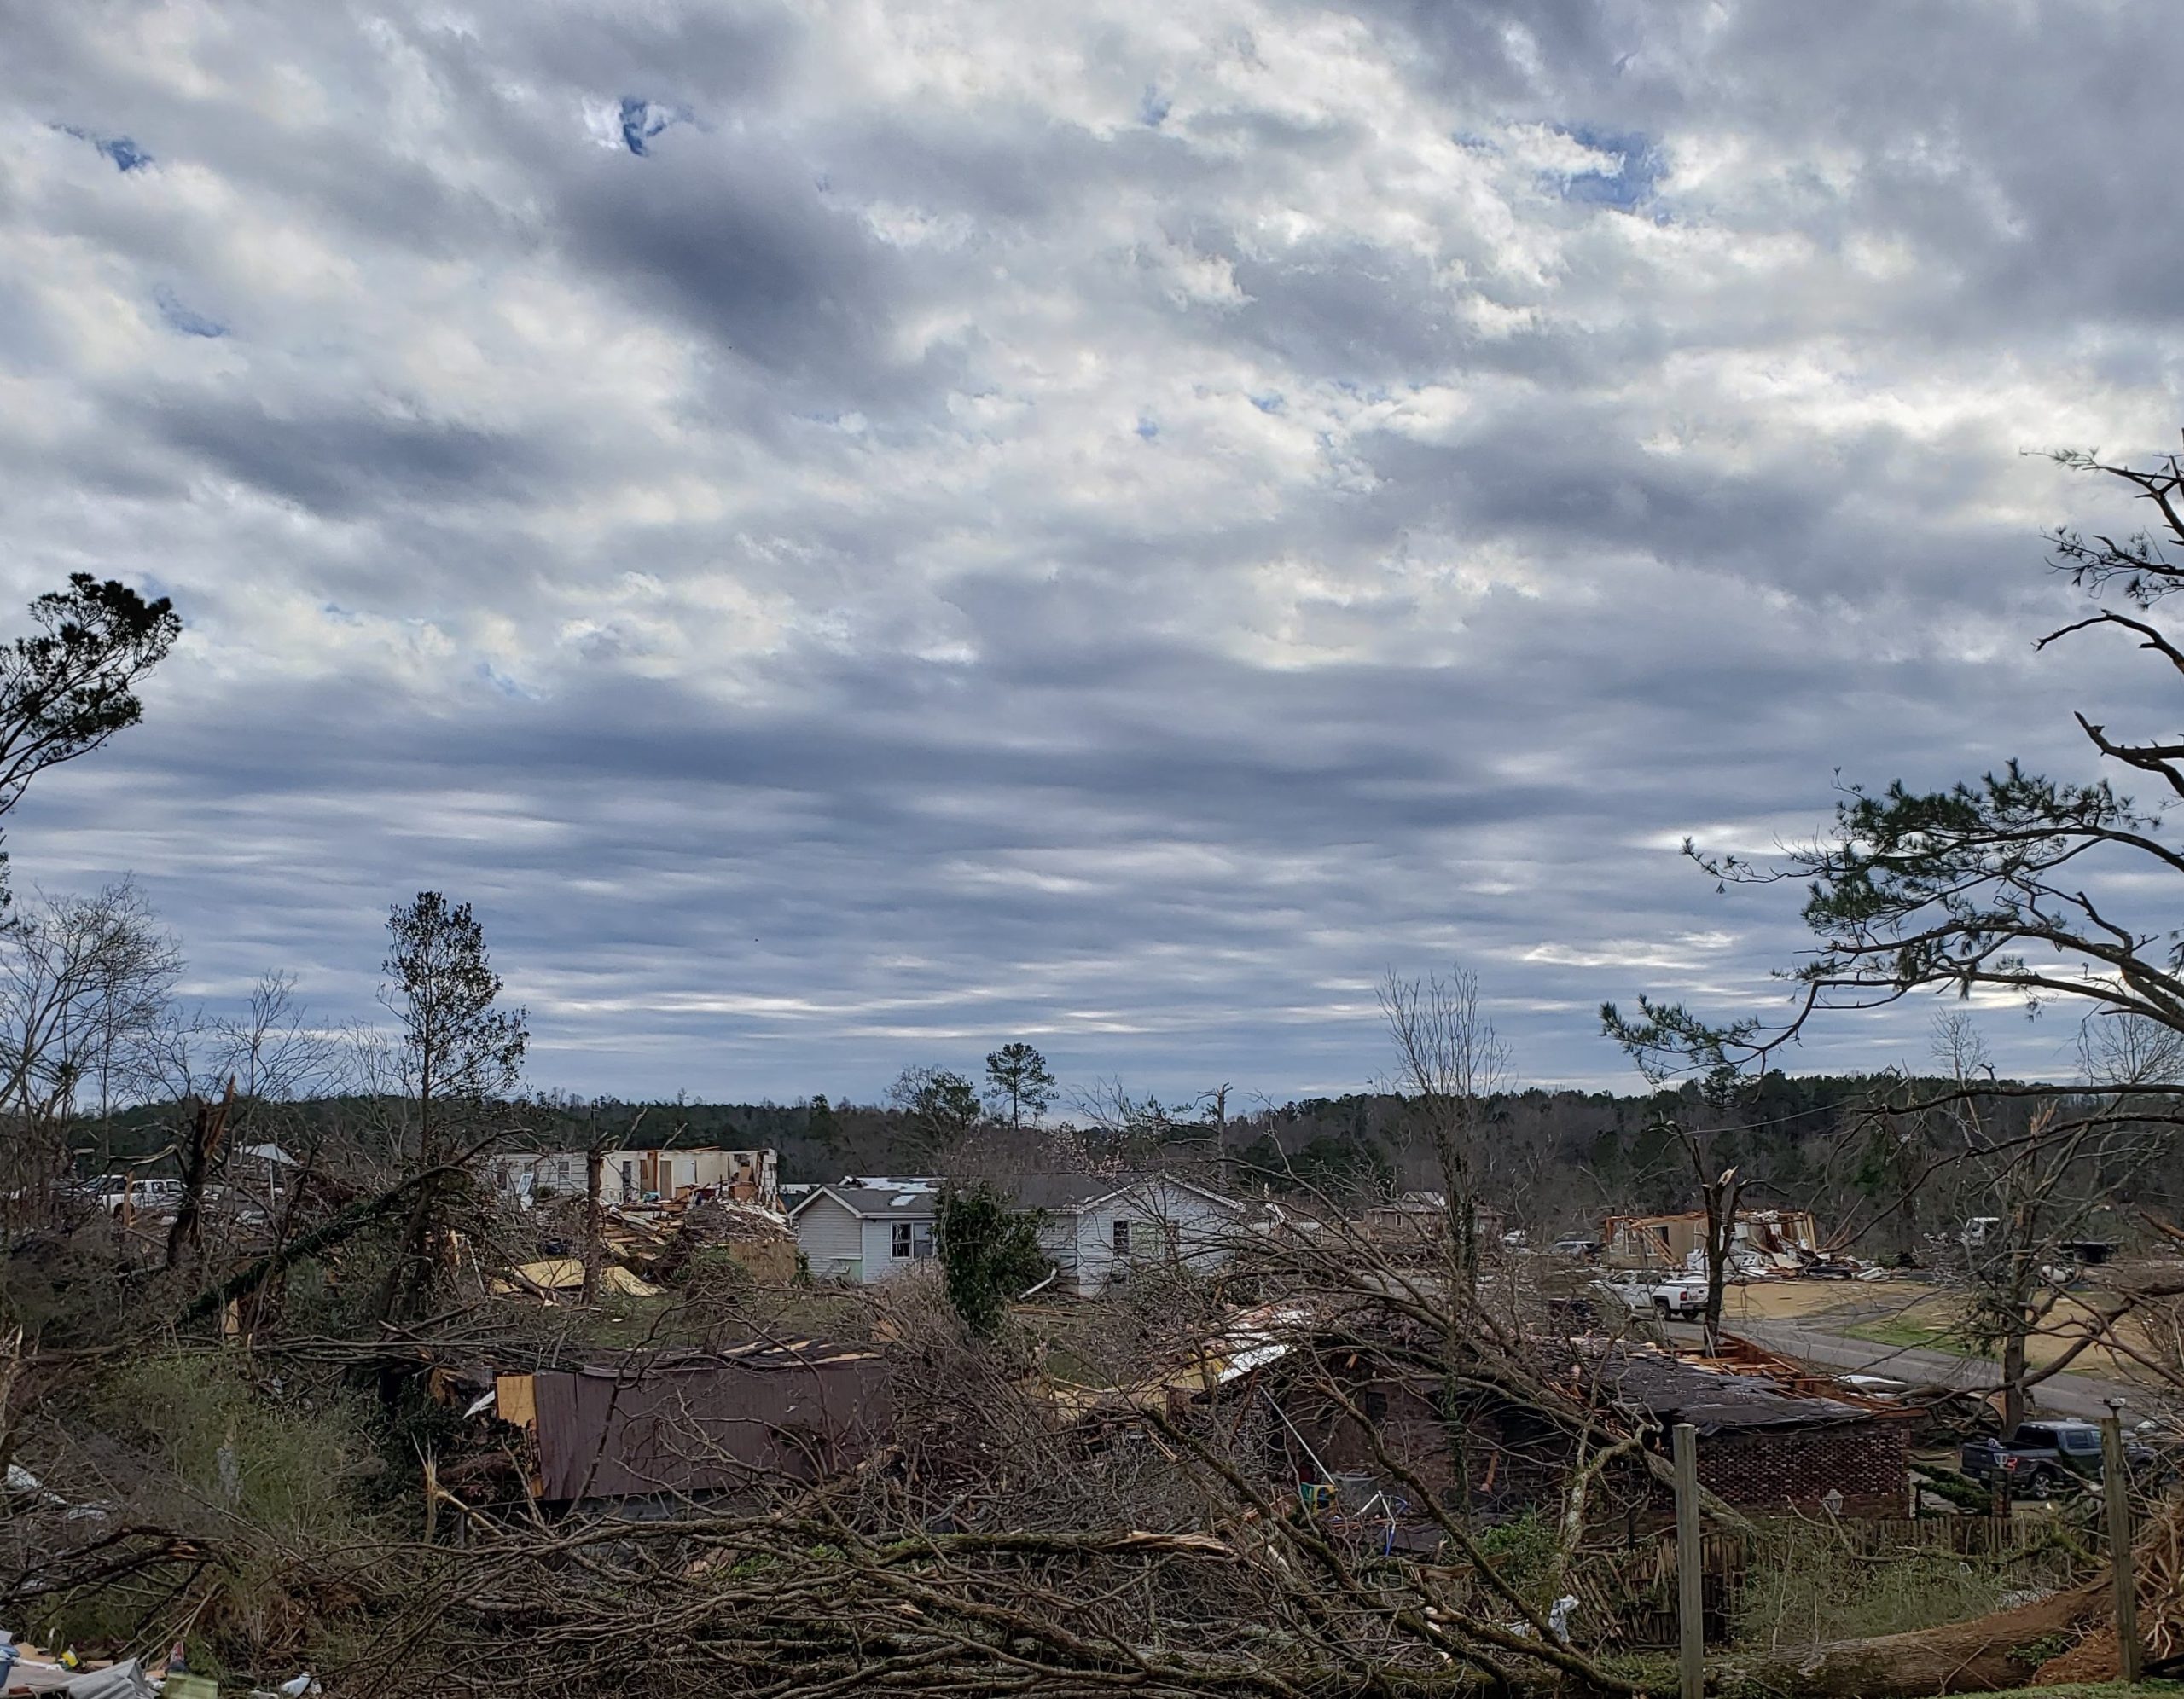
(2115, 1489)
(1690, 1563)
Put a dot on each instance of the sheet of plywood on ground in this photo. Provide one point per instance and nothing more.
(515, 1399)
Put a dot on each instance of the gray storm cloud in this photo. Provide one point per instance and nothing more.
(852, 534)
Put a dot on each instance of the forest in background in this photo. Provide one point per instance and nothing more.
(1555, 1160)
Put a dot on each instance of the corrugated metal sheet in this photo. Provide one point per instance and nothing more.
(709, 1424)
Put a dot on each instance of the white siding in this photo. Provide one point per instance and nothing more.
(828, 1236)
(879, 1259)
(1058, 1239)
(1165, 1221)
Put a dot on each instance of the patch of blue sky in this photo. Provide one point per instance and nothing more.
(186, 320)
(502, 684)
(124, 153)
(1271, 402)
(1629, 185)
(1153, 109)
(642, 120)
(1147, 428)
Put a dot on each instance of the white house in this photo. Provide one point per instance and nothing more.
(867, 1226)
(1098, 1227)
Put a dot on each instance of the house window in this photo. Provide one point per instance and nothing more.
(629, 1181)
(561, 1168)
(913, 1240)
(1122, 1236)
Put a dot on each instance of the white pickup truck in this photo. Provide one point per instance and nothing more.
(1671, 1300)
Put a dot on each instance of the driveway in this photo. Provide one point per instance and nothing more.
(1806, 1340)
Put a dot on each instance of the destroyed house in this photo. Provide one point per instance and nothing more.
(1418, 1222)
(532, 1177)
(1763, 1241)
(1766, 1446)
(1338, 1410)
(648, 1425)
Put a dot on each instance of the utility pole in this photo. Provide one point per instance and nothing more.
(2115, 1489)
(1690, 1562)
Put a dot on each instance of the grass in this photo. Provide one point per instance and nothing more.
(1906, 1333)
(1797, 1593)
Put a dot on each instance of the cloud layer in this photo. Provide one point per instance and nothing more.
(855, 532)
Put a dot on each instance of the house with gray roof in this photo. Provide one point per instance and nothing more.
(864, 1228)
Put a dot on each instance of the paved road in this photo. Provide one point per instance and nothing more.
(2063, 1394)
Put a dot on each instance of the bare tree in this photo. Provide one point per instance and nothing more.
(2027, 1196)
(1450, 1066)
(84, 988)
(941, 1107)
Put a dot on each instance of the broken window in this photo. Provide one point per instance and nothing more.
(1122, 1236)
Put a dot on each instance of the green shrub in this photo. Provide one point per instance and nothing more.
(988, 1253)
(219, 1443)
(262, 1475)
(1525, 1554)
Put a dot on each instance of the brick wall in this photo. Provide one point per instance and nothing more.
(1793, 1469)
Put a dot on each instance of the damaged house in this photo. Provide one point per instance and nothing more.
(1768, 1444)
(529, 1178)
(866, 1227)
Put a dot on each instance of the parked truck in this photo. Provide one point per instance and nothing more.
(1674, 1300)
(2043, 1459)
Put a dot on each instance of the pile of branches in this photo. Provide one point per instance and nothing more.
(990, 1545)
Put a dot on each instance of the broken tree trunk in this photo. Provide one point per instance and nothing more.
(210, 1125)
(1988, 1652)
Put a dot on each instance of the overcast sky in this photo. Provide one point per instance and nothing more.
(852, 532)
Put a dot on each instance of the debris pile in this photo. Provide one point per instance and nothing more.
(1766, 1244)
